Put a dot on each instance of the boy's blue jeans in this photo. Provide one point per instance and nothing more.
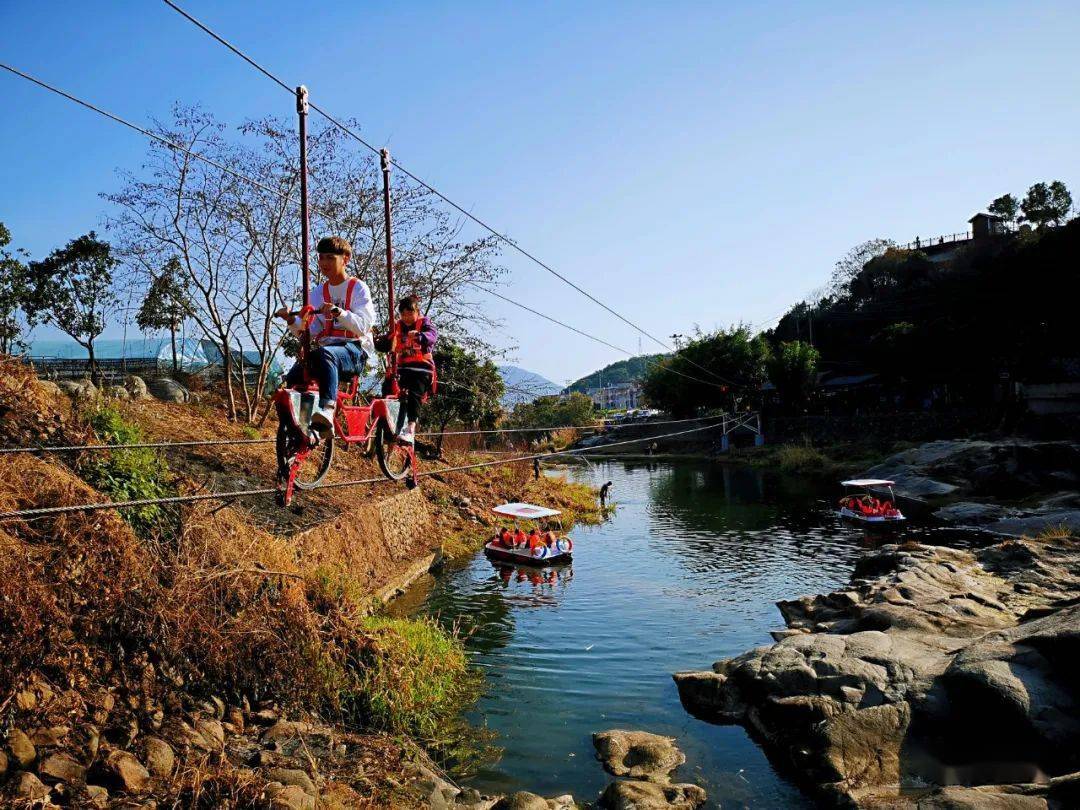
(326, 364)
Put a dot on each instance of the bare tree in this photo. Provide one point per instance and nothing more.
(852, 263)
(238, 243)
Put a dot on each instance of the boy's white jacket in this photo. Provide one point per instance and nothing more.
(357, 319)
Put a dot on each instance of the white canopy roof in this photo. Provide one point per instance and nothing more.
(867, 482)
(527, 511)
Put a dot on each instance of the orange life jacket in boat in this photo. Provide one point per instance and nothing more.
(519, 538)
(329, 330)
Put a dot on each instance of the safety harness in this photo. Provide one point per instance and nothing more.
(329, 330)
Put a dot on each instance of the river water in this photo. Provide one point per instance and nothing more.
(686, 571)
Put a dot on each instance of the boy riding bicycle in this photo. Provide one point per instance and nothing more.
(340, 329)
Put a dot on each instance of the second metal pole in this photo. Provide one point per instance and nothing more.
(384, 156)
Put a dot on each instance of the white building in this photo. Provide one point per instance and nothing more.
(619, 397)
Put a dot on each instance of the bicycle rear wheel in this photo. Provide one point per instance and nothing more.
(395, 459)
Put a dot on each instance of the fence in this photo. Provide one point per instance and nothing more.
(114, 370)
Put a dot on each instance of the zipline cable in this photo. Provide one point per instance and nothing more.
(420, 181)
(48, 511)
(75, 448)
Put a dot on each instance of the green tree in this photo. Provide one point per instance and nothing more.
(72, 289)
(735, 359)
(573, 410)
(1007, 207)
(13, 292)
(166, 305)
(1045, 204)
(793, 370)
(470, 389)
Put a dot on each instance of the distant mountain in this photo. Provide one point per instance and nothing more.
(623, 371)
(524, 386)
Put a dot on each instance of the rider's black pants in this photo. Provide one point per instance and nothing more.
(414, 383)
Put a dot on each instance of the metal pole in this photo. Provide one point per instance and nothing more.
(305, 226)
(384, 156)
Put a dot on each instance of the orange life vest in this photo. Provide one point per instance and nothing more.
(329, 330)
(409, 349)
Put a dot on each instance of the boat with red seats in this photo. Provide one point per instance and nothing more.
(539, 548)
(860, 505)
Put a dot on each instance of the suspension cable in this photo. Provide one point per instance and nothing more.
(420, 181)
(146, 132)
(49, 511)
(287, 198)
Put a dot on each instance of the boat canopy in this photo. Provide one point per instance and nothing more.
(867, 482)
(526, 511)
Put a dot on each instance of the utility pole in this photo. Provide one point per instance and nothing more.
(676, 338)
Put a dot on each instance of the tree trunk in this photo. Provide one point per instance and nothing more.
(95, 377)
(172, 338)
(230, 398)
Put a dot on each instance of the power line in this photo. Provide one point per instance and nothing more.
(420, 181)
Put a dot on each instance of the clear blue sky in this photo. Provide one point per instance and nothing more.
(687, 162)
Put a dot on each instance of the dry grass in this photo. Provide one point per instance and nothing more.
(236, 601)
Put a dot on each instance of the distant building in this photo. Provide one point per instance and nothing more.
(983, 226)
(619, 397)
(940, 249)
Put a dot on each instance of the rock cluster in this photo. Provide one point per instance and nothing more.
(932, 665)
(646, 761)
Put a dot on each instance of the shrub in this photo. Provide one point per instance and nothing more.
(800, 458)
(128, 474)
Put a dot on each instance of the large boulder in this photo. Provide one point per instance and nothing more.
(78, 389)
(638, 754)
(168, 390)
(136, 387)
(49, 387)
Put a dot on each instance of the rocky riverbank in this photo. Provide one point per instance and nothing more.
(938, 678)
(1008, 486)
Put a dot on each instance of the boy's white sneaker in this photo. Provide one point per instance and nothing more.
(407, 435)
(322, 419)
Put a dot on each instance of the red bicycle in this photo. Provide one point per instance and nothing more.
(304, 457)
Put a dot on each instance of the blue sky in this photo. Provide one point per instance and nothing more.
(686, 162)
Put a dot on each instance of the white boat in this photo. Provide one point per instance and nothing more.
(858, 503)
(560, 552)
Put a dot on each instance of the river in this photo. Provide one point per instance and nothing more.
(687, 570)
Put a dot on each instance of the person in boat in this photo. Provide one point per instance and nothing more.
(413, 344)
(534, 539)
(551, 539)
(520, 539)
(340, 324)
(505, 538)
